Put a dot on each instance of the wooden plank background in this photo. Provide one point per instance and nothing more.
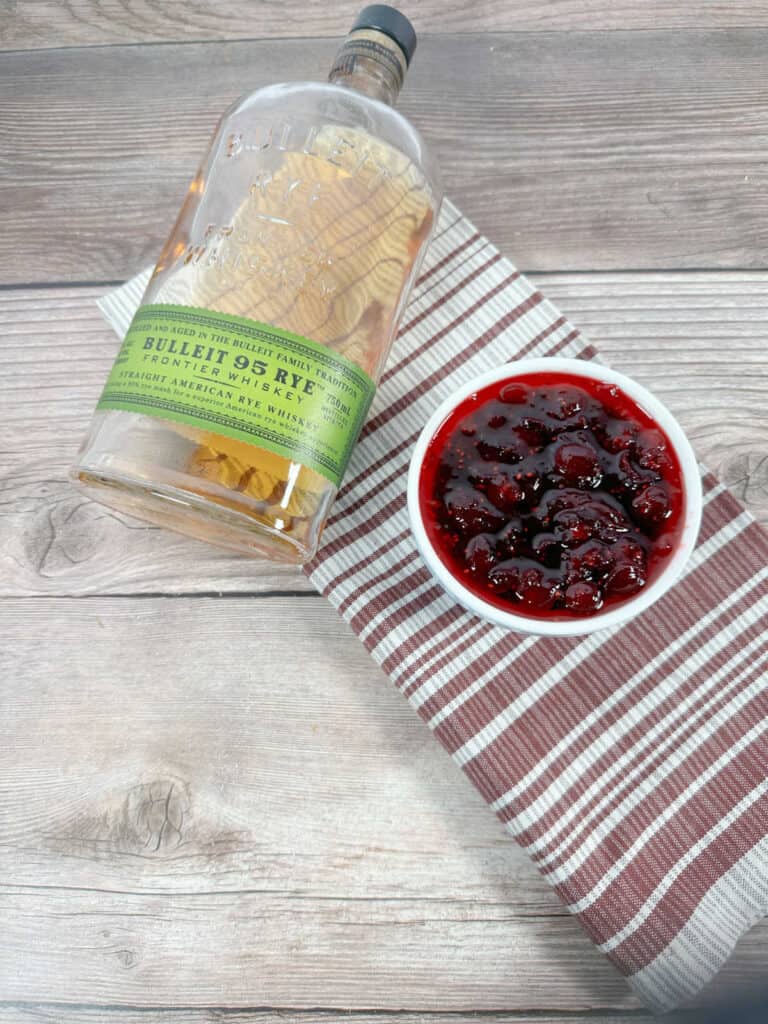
(31, 24)
(574, 150)
(160, 859)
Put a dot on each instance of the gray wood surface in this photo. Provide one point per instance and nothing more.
(30, 24)
(55, 1014)
(217, 808)
(239, 844)
(583, 150)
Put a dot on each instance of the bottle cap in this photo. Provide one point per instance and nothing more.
(392, 23)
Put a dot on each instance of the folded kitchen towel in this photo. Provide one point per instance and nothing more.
(631, 764)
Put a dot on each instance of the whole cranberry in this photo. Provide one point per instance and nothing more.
(629, 475)
(506, 493)
(515, 394)
(625, 580)
(652, 451)
(470, 513)
(617, 435)
(509, 451)
(511, 535)
(480, 554)
(591, 561)
(577, 464)
(601, 517)
(652, 504)
(535, 590)
(626, 550)
(563, 403)
(571, 528)
(606, 516)
(596, 558)
(504, 578)
(561, 500)
(583, 598)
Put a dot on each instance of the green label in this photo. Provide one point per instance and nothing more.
(247, 380)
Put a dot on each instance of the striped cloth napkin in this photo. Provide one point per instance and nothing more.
(631, 765)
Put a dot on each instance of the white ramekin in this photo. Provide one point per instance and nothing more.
(617, 613)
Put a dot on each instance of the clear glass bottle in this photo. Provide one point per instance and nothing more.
(246, 375)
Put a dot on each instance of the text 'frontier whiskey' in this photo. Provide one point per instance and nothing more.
(247, 372)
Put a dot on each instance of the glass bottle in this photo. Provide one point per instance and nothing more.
(247, 372)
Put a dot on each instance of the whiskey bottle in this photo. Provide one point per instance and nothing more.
(247, 372)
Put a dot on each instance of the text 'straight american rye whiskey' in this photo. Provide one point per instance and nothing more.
(247, 372)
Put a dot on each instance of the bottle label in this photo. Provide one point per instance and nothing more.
(229, 375)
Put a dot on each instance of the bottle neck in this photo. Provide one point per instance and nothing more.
(371, 63)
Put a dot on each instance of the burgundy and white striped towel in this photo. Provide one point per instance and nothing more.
(631, 765)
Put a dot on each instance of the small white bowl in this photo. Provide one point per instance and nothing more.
(561, 626)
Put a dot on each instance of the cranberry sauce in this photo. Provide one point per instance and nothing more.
(552, 495)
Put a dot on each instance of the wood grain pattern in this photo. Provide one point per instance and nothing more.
(33, 24)
(697, 339)
(160, 844)
(191, 860)
(60, 1014)
(269, 951)
(586, 150)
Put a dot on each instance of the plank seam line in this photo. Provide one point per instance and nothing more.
(345, 1011)
(532, 274)
(304, 40)
(42, 285)
(226, 595)
(286, 894)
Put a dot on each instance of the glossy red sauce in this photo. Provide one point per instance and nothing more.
(552, 495)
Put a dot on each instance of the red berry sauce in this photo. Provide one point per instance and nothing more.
(552, 495)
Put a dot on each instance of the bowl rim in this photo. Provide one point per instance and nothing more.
(692, 494)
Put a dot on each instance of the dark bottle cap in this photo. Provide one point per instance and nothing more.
(392, 23)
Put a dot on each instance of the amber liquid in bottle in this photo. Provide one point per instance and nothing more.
(311, 213)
